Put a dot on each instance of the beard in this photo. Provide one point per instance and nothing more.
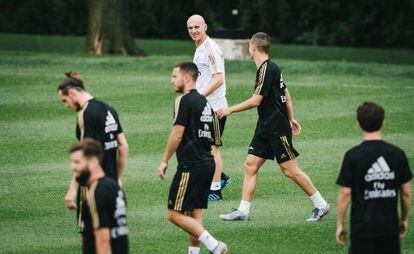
(83, 177)
(77, 107)
(179, 89)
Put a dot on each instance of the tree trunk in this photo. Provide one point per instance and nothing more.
(109, 30)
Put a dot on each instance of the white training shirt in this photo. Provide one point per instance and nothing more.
(209, 60)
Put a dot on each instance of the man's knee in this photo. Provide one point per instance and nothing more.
(250, 168)
(172, 215)
(290, 171)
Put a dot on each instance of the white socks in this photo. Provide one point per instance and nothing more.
(193, 250)
(244, 207)
(208, 240)
(215, 186)
(318, 201)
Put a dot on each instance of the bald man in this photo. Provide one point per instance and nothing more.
(211, 83)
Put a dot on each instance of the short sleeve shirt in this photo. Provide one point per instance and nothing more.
(99, 121)
(105, 208)
(375, 171)
(273, 114)
(209, 60)
(194, 113)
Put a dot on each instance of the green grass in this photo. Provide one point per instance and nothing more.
(75, 45)
(36, 131)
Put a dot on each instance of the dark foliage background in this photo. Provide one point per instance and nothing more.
(366, 23)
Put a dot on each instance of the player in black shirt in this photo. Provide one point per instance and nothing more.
(273, 136)
(103, 207)
(191, 139)
(96, 120)
(371, 177)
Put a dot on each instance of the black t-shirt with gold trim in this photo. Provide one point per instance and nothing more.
(194, 113)
(104, 206)
(273, 114)
(99, 121)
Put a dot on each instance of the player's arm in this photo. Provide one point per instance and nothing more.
(252, 102)
(122, 154)
(102, 241)
(181, 119)
(71, 194)
(405, 207)
(344, 199)
(174, 141)
(216, 66)
(217, 80)
(289, 105)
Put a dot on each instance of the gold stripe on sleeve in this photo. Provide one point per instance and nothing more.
(211, 57)
(177, 106)
(81, 123)
(92, 205)
(260, 81)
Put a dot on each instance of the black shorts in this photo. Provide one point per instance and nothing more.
(218, 129)
(190, 187)
(389, 244)
(273, 147)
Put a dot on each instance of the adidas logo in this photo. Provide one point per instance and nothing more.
(251, 148)
(110, 123)
(283, 156)
(206, 115)
(379, 171)
(110, 119)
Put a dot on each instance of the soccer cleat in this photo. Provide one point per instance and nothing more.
(220, 249)
(318, 214)
(235, 215)
(225, 180)
(215, 196)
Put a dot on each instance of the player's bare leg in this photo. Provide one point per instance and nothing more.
(193, 227)
(219, 163)
(194, 243)
(291, 170)
(220, 180)
(251, 170)
(252, 165)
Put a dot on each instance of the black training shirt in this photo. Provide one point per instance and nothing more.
(104, 206)
(194, 113)
(99, 121)
(375, 171)
(273, 114)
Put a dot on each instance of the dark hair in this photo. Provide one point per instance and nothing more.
(189, 68)
(72, 80)
(262, 41)
(370, 116)
(89, 147)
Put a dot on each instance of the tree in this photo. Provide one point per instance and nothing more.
(109, 28)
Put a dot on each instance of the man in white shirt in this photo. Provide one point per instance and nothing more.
(211, 83)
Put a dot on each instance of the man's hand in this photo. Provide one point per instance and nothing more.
(162, 169)
(403, 228)
(340, 235)
(296, 129)
(120, 183)
(70, 199)
(223, 112)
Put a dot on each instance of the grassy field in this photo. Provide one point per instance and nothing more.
(327, 84)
